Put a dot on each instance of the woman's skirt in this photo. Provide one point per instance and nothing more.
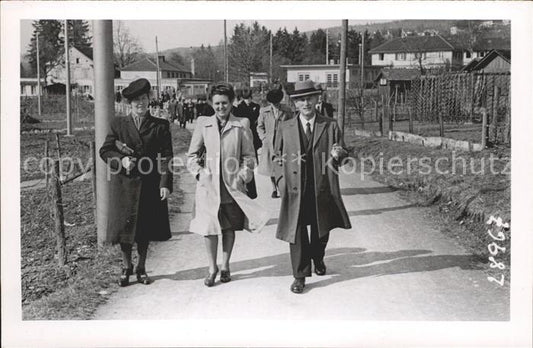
(231, 216)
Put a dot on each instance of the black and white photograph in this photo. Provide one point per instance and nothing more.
(225, 174)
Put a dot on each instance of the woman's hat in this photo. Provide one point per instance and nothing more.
(136, 88)
(305, 88)
(274, 96)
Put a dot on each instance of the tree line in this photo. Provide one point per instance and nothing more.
(248, 48)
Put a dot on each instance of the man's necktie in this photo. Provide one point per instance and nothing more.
(137, 121)
(308, 133)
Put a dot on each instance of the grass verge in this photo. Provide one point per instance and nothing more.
(75, 290)
(458, 190)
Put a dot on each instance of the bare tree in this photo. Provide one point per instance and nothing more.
(126, 48)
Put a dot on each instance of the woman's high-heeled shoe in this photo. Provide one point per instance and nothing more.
(210, 279)
(225, 276)
(142, 277)
(125, 276)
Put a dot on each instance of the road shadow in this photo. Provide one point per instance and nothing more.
(380, 210)
(274, 221)
(351, 191)
(343, 264)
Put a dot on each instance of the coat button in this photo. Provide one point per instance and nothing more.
(295, 188)
(295, 172)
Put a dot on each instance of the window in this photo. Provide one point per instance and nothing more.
(77, 61)
(420, 55)
(303, 76)
(381, 56)
(468, 54)
(400, 56)
(329, 79)
(335, 78)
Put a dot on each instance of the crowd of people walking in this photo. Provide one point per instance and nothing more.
(231, 138)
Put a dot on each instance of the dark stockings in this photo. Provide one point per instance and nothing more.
(142, 250)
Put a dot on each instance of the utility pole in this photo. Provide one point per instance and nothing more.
(226, 73)
(327, 46)
(67, 84)
(362, 62)
(342, 77)
(270, 74)
(38, 76)
(104, 111)
(157, 67)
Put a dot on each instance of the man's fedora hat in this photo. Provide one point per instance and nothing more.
(136, 88)
(274, 96)
(305, 88)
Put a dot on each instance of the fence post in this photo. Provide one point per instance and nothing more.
(93, 175)
(411, 130)
(58, 146)
(362, 113)
(58, 217)
(382, 116)
(46, 165)
(494, 120)
(389, 115)
(484, 128)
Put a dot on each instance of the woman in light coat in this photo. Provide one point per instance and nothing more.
(267, 123)
(222, 158)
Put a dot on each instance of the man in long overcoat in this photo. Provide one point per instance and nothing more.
(308, 154)
(267, 124)
(137, 150)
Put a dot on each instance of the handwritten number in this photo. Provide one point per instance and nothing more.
(495, 248)
(501, 235)
(500, 282)
(496, 264)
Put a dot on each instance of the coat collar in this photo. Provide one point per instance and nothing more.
(233, 121)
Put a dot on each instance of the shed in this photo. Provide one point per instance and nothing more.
(496, 61)
(396, 80)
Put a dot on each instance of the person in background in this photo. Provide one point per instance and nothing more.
(267, 124)
(189, 110)
(250, 110)
(309, 185)
(173, 106)
(323, 107)
(138, 150)
(221, 158)
(203, 108)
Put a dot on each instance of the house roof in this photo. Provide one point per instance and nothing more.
(148, 64)
(87, 51)
(479, 64)
(414, 44)
(398, 74)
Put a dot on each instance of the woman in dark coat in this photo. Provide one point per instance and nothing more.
(138, 150)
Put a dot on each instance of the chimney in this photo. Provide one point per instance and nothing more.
(192, 67)
(161, 59)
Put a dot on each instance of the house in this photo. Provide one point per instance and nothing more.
(147, 68)
(328, 74)
(483, 46)
(174, 79)
(81, 71)
(258, 78)
(417, 51)
(494, 62)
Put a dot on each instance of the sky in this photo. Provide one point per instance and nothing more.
(187, 33)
